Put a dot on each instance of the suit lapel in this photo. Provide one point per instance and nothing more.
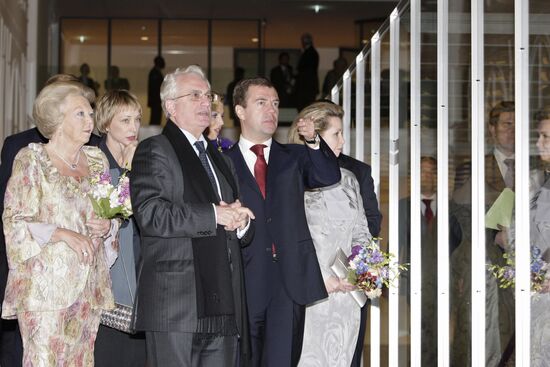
(494, 177)
(190, 164)
(222, 169)
(240, 165)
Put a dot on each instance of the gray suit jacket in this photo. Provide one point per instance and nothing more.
(165, 297)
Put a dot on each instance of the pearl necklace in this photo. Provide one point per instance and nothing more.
(72, 166)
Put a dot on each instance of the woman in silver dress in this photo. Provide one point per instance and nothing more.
(336, 218)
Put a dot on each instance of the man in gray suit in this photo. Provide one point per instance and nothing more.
(190, 298)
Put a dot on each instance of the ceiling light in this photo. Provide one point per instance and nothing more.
(144, 38)
(82, 38)
(316, 8)
(255, 40)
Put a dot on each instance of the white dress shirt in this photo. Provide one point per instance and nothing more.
(249, 156)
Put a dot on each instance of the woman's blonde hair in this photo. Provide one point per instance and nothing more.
(112, 103)
(47, 110)
(218, 100)
(319, 112)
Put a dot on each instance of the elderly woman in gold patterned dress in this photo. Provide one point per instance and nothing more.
(58, 252)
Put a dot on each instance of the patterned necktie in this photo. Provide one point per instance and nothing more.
(428, 213)
(509, 177)
(204, 161)
(260, 167)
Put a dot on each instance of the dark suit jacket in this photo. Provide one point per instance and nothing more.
(281, 220)
(12, 146)
(166, 295)
(362, 172)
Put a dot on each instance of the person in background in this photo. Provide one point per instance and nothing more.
(115, 81)
(118, 119)
(336, 219)
(85, 79)
(282, 78)
(539, 213)
(307, 80)
(339, 66)
(499, 175)
(281, 269)
(11, 348)
(58, 252)
(153, 90)
(216, 124)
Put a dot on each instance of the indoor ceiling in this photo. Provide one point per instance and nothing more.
(332, 23)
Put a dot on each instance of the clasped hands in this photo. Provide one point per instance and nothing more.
(233, 216)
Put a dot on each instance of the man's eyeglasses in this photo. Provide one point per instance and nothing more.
(197, 96)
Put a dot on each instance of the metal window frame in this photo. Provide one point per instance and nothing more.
(359, 107)
(522, 217)
(393, 235)
(374, 312)
(347, 111)
(478, 290)
(415, 214)
(443, 304)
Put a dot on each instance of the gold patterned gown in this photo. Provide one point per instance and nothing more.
(56, 299)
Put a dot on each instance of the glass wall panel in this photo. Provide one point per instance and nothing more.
(185, 42)
(228, 35)
(499, 172)
(404, 190)
(539, 73)
(84, 41)
(459, 178)
(134, 46)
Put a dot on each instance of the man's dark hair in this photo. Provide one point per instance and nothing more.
(241, 89)
(501, 107)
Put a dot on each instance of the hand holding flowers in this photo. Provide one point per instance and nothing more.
(370, 269)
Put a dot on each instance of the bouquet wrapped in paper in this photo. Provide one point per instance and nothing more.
(506, 274)
(371, 269)
(111, 201)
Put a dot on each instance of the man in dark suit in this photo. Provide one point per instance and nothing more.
(307, 80)
(362, 172)
(190, 292)
(499, 174)
(282, 78)
(281, 269)
(11, 348)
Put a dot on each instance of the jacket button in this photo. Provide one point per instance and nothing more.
(268, 220)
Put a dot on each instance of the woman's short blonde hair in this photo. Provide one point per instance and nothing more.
(47, 110)
(319, 112)
(110, 104)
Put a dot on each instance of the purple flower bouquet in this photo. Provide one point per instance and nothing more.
(370, 269)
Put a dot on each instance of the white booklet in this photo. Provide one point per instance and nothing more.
(339, 267)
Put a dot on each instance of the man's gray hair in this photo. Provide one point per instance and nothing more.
(169, 87)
